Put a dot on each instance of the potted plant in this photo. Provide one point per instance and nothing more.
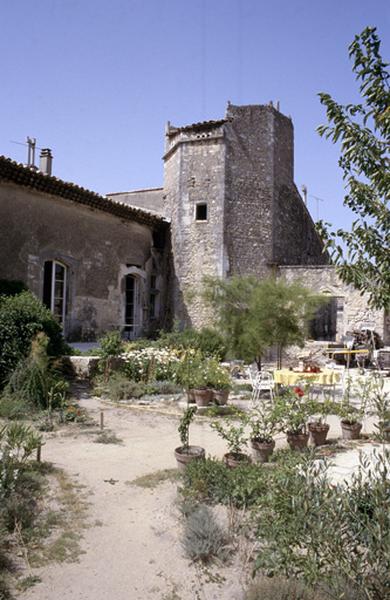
(186, 453)
(292, 411)
(234, 436)
(352, 416)
(192, 373)
(263, 425)
(219, 380)
(317, 426)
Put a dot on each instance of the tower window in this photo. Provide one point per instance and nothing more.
(201, 212)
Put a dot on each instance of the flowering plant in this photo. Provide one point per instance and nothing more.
(292, 410)
(151, 364)
(217, 376)
(192, 370)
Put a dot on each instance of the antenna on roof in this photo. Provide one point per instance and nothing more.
(304, 192)
(318, 200)
(31, 143)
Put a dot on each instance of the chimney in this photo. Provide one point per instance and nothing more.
(45, 161)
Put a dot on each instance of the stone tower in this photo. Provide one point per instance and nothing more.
(234, 208)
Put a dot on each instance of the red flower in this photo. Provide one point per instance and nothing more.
(299, 391)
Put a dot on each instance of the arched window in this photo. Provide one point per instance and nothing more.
(54, 289)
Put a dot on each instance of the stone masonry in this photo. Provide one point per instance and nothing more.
(241, 167)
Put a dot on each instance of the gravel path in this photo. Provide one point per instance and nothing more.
(132, 549)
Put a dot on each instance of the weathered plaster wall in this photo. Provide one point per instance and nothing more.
(98, 249)
(149, 199)
(355, 312)
(194, 173)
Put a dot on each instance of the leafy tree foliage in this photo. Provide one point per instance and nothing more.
(256, 314)
(364, 132)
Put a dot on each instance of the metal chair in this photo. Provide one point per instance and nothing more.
(263, 382)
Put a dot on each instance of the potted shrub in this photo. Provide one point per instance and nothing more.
(186, 453)
(317, 426)
(235, 438)
(192, 373)
(219, 380)
(263, 425)
(351, 424)
(292, 411)
(351, 416)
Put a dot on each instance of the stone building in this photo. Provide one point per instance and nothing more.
(97, 264)
(136, 260)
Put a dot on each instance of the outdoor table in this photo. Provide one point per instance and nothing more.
(324, 377)
(348, 353)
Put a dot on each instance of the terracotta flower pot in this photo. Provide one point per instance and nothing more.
(190, 396)
(187, 454)
(221, 396)
(297, 441)
(235, 459)
(262, 450)
(350, 431)
(318, 433)
(202, 396)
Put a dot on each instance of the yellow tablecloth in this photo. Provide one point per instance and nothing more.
(325, 377)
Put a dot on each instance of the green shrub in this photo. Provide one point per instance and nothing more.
(207, 340)
(119, 387)
(334, 536)
(279, 588)
(13, 408)
(203, 537)
(34, 382)
(21, 318)
(107, 437)
(211, 481)
(163, 388)
(11, 288)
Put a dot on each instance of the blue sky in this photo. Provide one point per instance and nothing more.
(96, 80)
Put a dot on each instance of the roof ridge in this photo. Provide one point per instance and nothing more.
(21, 174)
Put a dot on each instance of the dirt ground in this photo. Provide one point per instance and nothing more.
(132, 549)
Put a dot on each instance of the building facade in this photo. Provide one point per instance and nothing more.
(135, 261)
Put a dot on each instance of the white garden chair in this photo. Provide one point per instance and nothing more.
(262, 382)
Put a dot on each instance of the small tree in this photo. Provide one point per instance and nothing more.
(364, 132)
(257, 314)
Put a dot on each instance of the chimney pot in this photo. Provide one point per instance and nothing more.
(45, 161)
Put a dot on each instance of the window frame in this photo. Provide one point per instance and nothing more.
(51, 301)
(199, 205)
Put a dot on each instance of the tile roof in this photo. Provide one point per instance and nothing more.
(202, 126)
(19, 174)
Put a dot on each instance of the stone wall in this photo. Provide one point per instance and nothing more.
(194, 173)
(249, 183)
(353, 311)
(98, 248)
(242, 167)
(295, 240)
